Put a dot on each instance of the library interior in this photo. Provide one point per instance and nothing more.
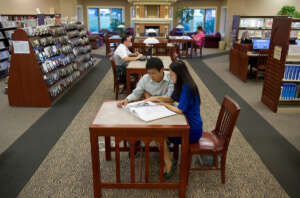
(149, 98)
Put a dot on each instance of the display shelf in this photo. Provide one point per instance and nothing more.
(5, 48)
(290, 81)
(275, 83)
(44, 89)
(250, 23)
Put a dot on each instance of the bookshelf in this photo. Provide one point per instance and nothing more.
(257, 27)
(282, 78)
(4, 51)
(56, 60)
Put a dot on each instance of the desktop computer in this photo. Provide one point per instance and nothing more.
(261, 44)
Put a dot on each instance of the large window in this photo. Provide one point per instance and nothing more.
(203, 17)
(93, 19)
(104, 18)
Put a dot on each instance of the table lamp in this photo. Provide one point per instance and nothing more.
(180, 26)
(151, 41)
(121, 27)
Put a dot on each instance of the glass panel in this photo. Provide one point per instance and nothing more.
(187, 26)
(210, 19)
(93, 19)
(116, 18)
(198, 19)
(105, 18)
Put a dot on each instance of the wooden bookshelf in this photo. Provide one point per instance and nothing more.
(26, 84)
(236, 26)
(275, 67)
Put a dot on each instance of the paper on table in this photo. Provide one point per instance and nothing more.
(148, 111)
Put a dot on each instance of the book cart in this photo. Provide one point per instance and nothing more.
(282, 77)
(46, 62)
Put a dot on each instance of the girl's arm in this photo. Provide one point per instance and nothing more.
(172, 108)
(160, 99)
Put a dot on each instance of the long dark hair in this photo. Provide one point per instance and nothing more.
(183, 78)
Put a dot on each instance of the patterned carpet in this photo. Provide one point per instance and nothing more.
(67, 172)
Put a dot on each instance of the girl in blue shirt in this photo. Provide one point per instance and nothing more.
(187, 95)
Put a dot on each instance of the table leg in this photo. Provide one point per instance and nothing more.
(192, 48)
(95, 165)
(183, 165)
(107, 148)
(128, 82)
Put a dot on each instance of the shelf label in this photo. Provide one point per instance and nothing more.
(277, 52)
(21, 47)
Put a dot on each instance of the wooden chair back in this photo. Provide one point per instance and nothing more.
(226, 120)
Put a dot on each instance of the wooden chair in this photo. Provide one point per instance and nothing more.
(160, 49)
(216, 142)
(199, 47)
(116, 81)
(260, 68)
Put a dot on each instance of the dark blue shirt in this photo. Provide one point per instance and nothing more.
(190, 106)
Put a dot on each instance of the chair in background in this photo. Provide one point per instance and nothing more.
(117, 83)
(200, 47)
(216, 142)
(160, 49)
(212, 40)
(261, 66)
(129, 31)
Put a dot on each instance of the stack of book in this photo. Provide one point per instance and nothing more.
(290, 91)
(291, 73)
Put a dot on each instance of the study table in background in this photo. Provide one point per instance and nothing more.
(139, 67)
(113, 121)
(240, 55)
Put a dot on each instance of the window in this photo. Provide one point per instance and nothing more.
(202, 17)
(104, 18)
(93, 20)
(210, 18)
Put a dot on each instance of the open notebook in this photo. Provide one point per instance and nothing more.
(148, 111)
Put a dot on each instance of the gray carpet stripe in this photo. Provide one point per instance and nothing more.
(19, 162)
(280, 157)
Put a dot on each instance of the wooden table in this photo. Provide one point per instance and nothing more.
(113, 121)
(182, 43)
(139, 67)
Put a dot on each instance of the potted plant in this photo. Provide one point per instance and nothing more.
(289, 11)
(184, 15)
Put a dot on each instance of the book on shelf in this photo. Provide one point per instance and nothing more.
(4, 65)
(289, 91)
(148, 111)
(292, 73)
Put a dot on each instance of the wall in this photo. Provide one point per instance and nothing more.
(64, 7)
(200, 4)
(254, 8)
(28, 6)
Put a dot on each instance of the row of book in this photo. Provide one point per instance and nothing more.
(290, 91)
(291, 72)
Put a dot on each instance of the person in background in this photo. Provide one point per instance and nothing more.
(156, 82)
(122, 56)
(187, 94)
(245, 39)
(198, 38)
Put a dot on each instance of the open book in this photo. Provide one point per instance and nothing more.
(148, 111)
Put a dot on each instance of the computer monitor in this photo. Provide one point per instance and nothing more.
(261, 44)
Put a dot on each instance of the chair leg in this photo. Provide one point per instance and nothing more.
(200, 51)
(117, 92)
(223, 162)
(175, 151)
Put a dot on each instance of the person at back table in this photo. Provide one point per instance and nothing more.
(187, 95)
(122, 56)
(198, 38)
(156, 82)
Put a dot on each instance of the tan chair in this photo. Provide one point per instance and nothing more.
(216, 142)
